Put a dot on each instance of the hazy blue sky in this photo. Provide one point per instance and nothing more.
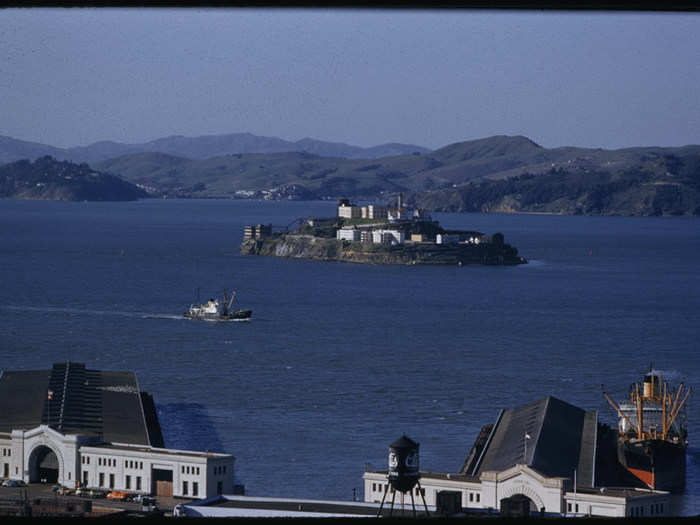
(74, 76)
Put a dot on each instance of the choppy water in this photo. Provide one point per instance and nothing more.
(340, 359)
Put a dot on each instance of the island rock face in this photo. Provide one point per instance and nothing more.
(325, 249)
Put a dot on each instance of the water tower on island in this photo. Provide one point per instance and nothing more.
(404, 473)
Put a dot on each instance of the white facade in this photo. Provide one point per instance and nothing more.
(376, 212)
(349, 212)
(83, 461)
(394, 214)
(348, 234)
(555, 495)
(388, 237)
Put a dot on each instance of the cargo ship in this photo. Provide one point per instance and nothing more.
(652, 433)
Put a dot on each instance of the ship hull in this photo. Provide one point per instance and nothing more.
(236, 315)
(656, 463)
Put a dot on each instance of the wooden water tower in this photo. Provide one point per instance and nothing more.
(404, 473)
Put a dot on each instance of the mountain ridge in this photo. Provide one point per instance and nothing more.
(196, 148)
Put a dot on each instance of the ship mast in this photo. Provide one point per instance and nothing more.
(654, 390)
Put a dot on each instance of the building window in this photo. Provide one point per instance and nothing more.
(138, 482)
(577, 507)
(88, 460)
(195, 488)
(198, 471)
(219, 487)
(478, 497)
(111, 481)
(188, 470)
(183, 469)
(102, 479)
(568, 507)
(127, 485)
(141, 464)
(99, 461)
(471, 496)
(69, 474)
(184, 488)
(85, 478)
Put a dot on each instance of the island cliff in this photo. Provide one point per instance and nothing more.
(375, 234)
(325, 249)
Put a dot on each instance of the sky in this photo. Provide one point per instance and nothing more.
(70, 77)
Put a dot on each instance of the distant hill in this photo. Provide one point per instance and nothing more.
(197, 148)
(500, 173)
(49, 179)
(665, 184)
(14, 149)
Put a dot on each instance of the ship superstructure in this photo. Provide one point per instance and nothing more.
(652, 432)
(215, 310)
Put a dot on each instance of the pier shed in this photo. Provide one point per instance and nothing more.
(544, 451)
(96, 429)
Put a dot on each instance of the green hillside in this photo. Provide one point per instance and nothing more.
(49, 179)
(444, 179)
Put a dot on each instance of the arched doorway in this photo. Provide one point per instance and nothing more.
(43, 465)
(518, 506)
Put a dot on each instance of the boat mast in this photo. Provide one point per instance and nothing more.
(640, 412)
(663, 415)
(233, 294)
(677, 409)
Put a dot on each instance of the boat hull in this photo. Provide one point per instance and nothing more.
(657, 463)
(236, 315)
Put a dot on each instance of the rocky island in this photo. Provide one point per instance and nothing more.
(380, 235)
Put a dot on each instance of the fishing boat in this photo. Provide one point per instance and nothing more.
(652, 432)
(215, 310)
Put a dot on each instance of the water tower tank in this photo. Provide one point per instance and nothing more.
(403, 464)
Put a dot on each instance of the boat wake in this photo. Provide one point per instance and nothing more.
(79, 311)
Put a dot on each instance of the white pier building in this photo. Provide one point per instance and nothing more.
(96, 429)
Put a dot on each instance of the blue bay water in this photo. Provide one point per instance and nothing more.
(340, 359)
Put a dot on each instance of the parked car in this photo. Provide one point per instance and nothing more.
(118, 495)
(55, 488)
(148, 504)
(20, 483)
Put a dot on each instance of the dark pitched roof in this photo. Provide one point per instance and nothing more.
(404, 442)
(561, 440)
(104, 403)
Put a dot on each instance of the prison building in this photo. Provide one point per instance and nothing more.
(257, 231)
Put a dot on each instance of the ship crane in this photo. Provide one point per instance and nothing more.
(652, 437)
(655, 394)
